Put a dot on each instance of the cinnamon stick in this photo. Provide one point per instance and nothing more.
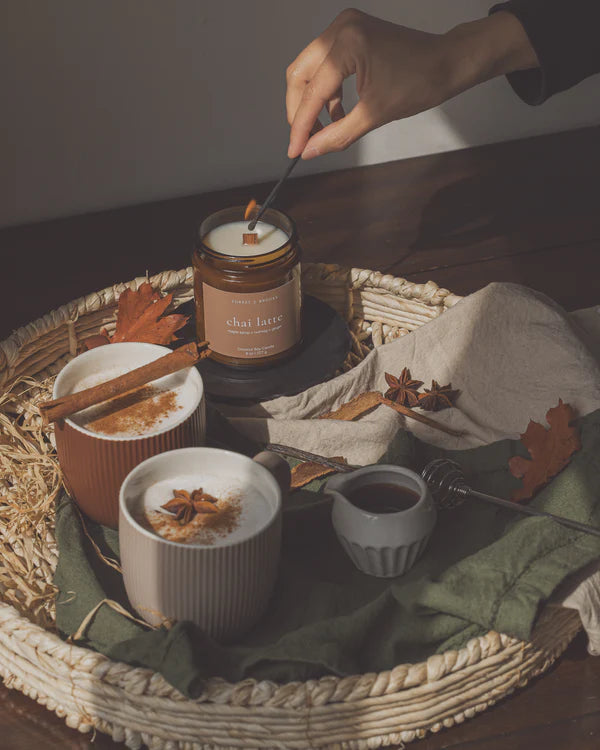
(367, 401)
(408, 412)
(355, 408)
(185, 356)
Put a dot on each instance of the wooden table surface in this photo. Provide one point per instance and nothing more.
(524, 211)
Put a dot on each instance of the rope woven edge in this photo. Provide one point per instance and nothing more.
(429, 293)
(24, 337)
(250, 692)
(90, 691)
(41, 649)
(181, 282)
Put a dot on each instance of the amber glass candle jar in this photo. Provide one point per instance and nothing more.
(248, 297)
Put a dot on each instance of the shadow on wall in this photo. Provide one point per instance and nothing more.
(471, 208)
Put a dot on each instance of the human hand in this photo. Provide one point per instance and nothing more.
(399, 72)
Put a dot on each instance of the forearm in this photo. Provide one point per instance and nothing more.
(564, 34)
(480, 50)
(399, 73)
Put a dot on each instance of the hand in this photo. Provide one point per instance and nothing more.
(399, 72)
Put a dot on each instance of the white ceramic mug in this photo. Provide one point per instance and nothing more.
(223, 587)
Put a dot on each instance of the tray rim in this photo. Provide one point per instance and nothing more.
(92, 692)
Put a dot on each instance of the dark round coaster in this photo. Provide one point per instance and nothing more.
(325, 344)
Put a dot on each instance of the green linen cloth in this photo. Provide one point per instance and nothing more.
(484, 568)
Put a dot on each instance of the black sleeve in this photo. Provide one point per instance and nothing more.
(565, 35)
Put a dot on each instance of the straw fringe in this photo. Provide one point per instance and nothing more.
(111, 562)
(30, 481)
(87, 620)
(137, 706)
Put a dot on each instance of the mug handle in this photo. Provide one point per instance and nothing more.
(278, 467)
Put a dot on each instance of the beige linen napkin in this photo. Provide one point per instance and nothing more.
(511, 351)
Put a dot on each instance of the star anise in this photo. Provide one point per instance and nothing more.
(403, 390)
(438, 397)
(185, 506)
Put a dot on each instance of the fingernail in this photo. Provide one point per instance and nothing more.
(310, 153)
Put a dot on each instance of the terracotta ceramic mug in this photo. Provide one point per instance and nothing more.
(217, 574)
(95, 463)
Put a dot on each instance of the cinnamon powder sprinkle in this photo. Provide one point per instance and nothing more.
(135, 413)
(224, 521)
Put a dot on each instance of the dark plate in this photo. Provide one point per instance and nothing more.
(325, 344)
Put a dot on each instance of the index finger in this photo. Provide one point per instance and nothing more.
(299, 73)
(303, 68)
(318, 91)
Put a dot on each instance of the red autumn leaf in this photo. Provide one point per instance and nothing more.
(140, 318)
(99, 339)
(306, 472)
(550, 451)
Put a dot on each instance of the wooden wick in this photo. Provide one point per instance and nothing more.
(185, 356)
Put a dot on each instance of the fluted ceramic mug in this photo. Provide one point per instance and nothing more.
(382, 544)
(94, 464)
(223, 586)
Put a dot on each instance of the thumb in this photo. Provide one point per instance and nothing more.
(341, 134)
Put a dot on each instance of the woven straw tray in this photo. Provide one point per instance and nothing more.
(137, 706)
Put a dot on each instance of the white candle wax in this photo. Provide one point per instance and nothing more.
(227, 239)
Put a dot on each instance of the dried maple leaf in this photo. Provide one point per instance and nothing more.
(550, 450)
(355, 408)
(99, 339)
(403, 390)
(306, 472)
(139, 317)
(438, 397)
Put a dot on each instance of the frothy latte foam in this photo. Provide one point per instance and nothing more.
(154, 407)
(241, 510)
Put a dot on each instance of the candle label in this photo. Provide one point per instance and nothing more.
(255, 324)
